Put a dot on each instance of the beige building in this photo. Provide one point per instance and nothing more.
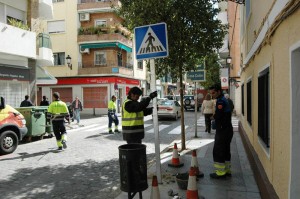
(269, 124)
(90, 36)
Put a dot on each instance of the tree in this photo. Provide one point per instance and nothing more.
(212, 68)
(193, 33)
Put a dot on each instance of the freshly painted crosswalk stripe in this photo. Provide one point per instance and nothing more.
(97, 128)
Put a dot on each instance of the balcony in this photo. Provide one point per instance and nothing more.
(100, 34)
(17, 41)
(45, 55)
(45, 9)
(108, 67)
(97, 5)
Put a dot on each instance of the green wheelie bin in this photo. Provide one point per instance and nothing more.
(35, 117)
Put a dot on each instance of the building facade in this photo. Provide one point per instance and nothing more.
(24, 49)
(269, 125)
(102, 60)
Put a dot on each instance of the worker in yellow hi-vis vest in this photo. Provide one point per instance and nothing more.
(112, 117)
(133, 113)
(59, 111)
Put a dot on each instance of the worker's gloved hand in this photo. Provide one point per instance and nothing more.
(153, 95)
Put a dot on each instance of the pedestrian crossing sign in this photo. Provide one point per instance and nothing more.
(151, 41)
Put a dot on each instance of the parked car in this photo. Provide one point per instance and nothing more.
(189, 102)
(173, 97)
(168, 109)
(12, 128)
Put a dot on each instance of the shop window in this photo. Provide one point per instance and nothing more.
(264, 106)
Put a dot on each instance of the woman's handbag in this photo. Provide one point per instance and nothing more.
(213, 124)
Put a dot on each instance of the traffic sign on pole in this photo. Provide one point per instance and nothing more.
(151, 41)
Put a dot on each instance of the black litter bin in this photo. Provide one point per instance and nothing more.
(133, 167)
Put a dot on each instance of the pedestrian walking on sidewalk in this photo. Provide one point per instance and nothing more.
(26, 102)
(133, 113)
(76, 107)
(112, 117)
(59, 111)
(224, 133)
(208, 109)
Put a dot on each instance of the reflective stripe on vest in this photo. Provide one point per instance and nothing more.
(132, 122)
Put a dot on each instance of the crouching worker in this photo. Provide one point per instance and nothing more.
(59, 111)
(112, 117)
(133, 113)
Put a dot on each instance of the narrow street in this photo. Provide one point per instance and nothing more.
(88, 168)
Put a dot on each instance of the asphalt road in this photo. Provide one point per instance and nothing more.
(88, 168)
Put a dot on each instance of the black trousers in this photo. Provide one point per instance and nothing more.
(208, 122)
(58, 128)
(221, 150)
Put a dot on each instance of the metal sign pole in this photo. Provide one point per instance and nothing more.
(196, 108)
(155, 122)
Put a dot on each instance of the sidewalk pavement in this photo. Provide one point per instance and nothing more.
(241, 185)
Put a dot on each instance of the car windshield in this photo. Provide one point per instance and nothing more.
(166, 103)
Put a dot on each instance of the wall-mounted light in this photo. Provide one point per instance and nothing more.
(68, 58)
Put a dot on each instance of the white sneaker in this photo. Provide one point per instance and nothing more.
(64, 143)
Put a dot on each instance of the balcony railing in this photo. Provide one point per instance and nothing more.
(108, 68)
(92, 4)
(104, 63)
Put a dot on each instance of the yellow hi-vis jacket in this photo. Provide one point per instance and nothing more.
(58, 110)
(112, 107)
(132, 122)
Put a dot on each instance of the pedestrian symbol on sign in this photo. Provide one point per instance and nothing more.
(151, 43)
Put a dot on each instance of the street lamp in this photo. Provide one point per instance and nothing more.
(228, 60)
(68, 58)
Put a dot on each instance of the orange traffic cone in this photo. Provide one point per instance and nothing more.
(175, 162)
(155, 190)
(192, 191)
(194, 165)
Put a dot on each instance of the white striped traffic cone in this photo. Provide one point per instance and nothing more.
(194, 164)
(192, 191)
(175, 162)
(155, 190)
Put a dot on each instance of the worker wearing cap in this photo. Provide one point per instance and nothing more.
(133, 113)
(59, 111)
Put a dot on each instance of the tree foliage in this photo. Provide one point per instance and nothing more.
(212, 68)
(193, 30)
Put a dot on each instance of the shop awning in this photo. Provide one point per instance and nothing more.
(43, 77)
(105, 45)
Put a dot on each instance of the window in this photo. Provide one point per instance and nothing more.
(264, 106)
(120, 59)
(100, 58)
(249, 102)
(56, 1)
(100, 22)
(243, 99)
(140, 65)
(59, 58)
(56, 26)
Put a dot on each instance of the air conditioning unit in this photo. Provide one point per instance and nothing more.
(84, 16)
(84, 50)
